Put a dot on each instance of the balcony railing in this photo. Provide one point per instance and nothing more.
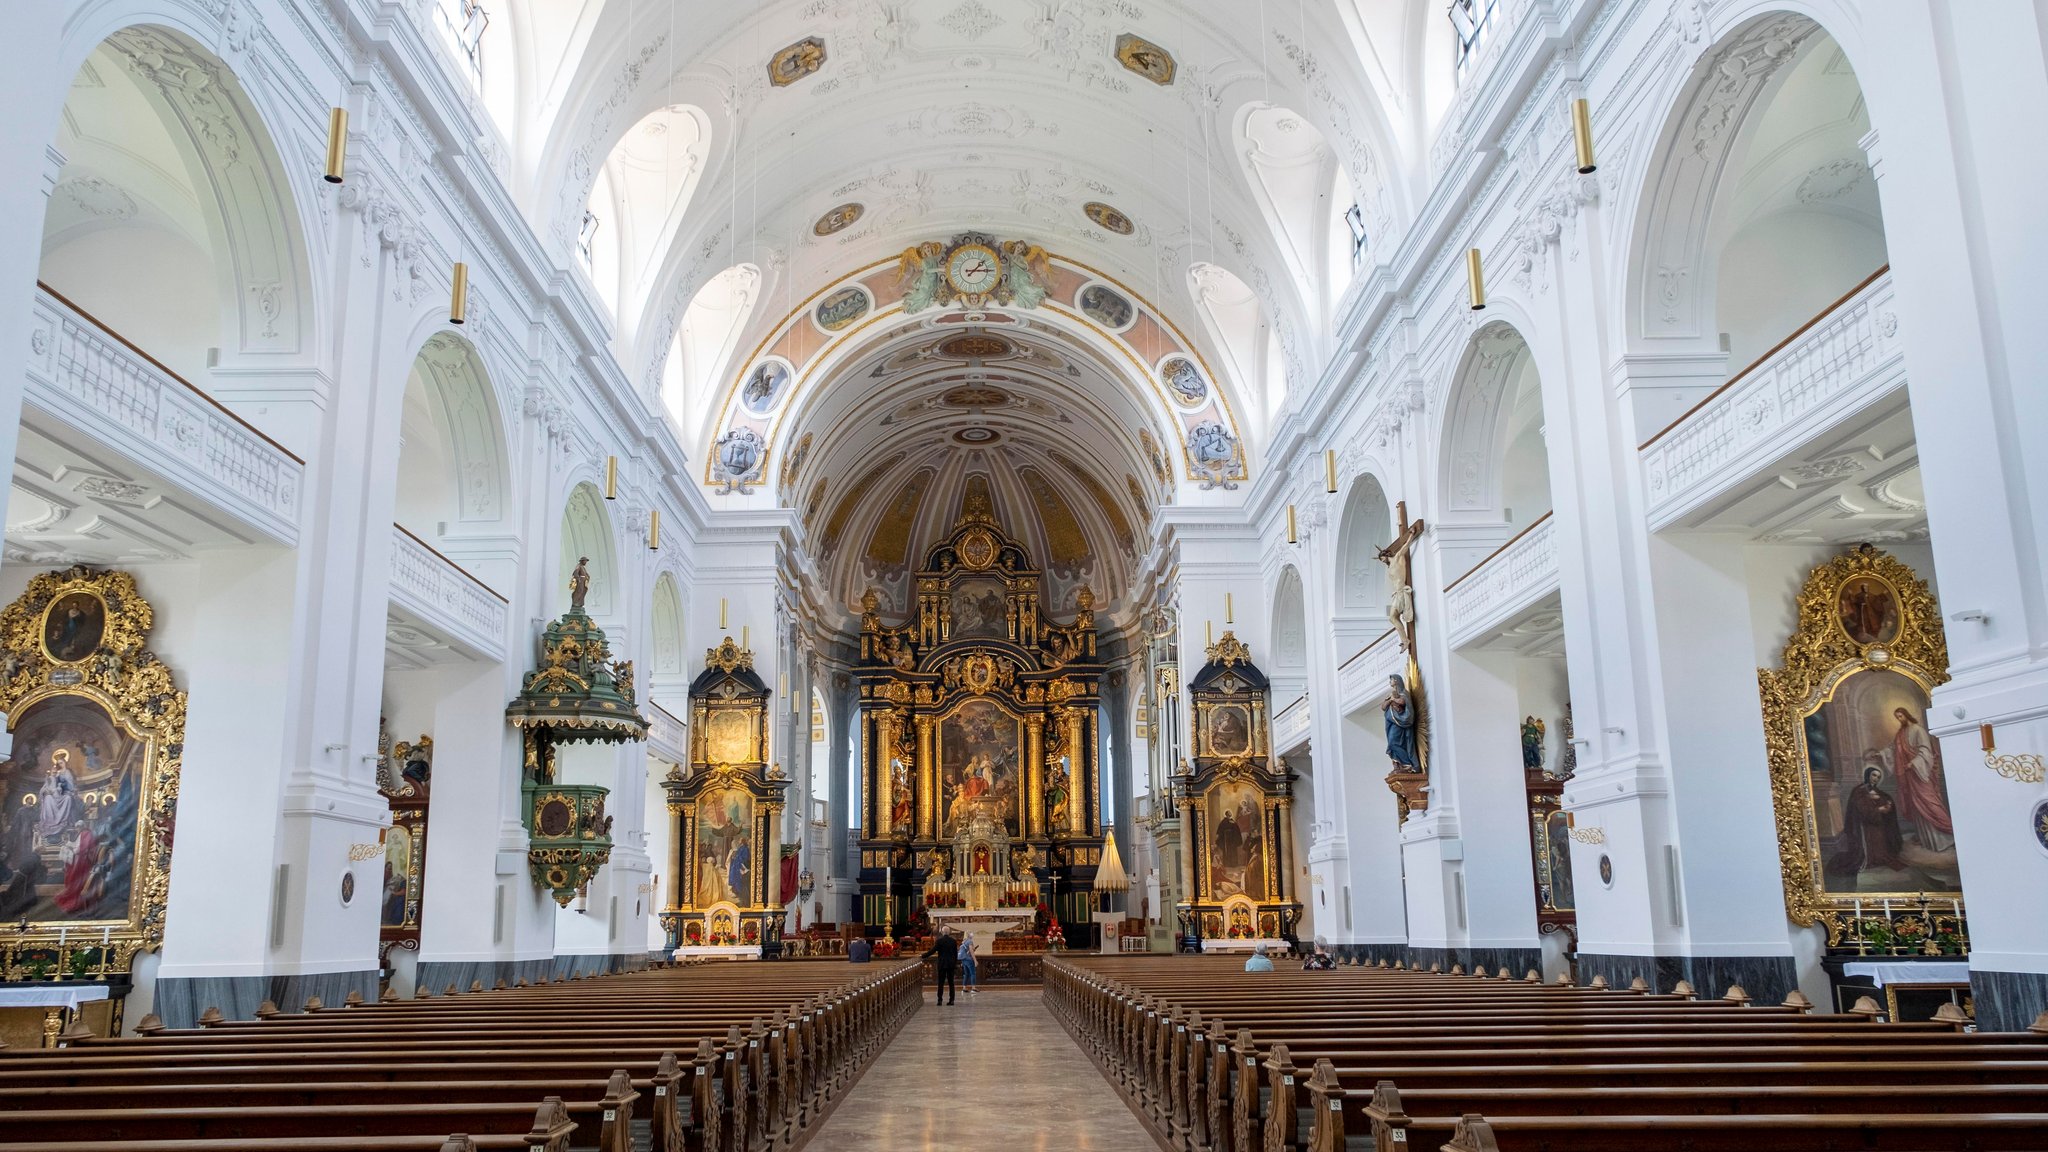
(1519, 573)
(87, 375)
(1837, 364)
(666, 735)
(437, 591)
(1362, 680)
(1290, 726)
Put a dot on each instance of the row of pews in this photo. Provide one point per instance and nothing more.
(710, 1058)
(1216, 1059)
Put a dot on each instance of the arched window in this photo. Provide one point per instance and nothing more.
(1304, 193)
(636, 200)
(701, 356)
(1240, 331)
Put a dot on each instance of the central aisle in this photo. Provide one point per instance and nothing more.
(994, 1071)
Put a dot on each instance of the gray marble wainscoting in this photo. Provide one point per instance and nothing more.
(179, 1001)
(1517, 961)
(437, 976)
(1767, 979)
(2009, 1001)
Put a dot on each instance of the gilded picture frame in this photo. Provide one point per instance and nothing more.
(93, 783)
(1894, 653)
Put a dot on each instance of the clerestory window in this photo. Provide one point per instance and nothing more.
(1472, 20)
(463, 23)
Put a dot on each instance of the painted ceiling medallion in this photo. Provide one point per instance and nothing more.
(975, 396)
(838, 219)
(796, 61)
(1108, 217)
(976, 437)
(976, 346)
(1145, 58)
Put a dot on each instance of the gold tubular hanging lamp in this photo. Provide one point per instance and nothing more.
(337, 145)
(1582, 134)
(611, 477)
(1475, 280)
(1291, 539)
(1329, 469)
(458, 295)
(654, 530)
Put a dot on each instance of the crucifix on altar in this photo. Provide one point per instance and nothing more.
(1407, 724)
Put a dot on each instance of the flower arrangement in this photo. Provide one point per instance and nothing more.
(885, 950)
(1055, 940)
(694, 933)
(721, 939)
(751, 932)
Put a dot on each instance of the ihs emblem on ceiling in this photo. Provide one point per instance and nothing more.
(974, 270)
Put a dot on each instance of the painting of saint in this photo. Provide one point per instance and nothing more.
(729, 737)
(1558, 879)
(980, 610)
(725, 823)
(1237, 848)
(902, 796)
(1869, 610)
(1229, 731)
(1186, 381)
(72, 627)
(1880, 798)
(978, 755)
(397, 866)
(71, 796)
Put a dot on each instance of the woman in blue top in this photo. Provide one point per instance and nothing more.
(1259, 961)
(967, 963)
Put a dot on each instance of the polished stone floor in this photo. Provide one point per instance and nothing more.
(995, 1071)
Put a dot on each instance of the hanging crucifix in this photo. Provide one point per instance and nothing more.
(1406, 732)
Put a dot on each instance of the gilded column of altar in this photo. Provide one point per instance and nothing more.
(1282, 874)
(768, 872)
(1033, 822)
(879, 772)
(1077, 799)
(679, 851)
(927, 777)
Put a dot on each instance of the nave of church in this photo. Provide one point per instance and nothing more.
(532, 507)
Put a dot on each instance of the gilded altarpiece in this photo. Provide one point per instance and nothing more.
(89, 796)
(725, 813)
(979, 707)
(1234, 797)
(1865, 838)
(405, 775)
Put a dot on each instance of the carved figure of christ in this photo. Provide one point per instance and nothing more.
(1399, 559)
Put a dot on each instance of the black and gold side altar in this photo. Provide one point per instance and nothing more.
(979, 706)
(89, 794)
(1234, 799)
(725, 813)
(578, 694)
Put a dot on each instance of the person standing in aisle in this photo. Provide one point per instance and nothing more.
(945, 954)
(968, 975)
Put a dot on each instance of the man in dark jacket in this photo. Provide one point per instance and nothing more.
(859, 950)
(946, 952)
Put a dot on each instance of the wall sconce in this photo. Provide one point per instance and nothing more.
(654, 530)
(1291, 538)
(458, 295)
(806, 883)
(1475, 280)
(337, 145)
(611, 477)
(2025, 767)
(1582, 135)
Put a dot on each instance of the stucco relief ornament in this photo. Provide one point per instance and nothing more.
(737, 460)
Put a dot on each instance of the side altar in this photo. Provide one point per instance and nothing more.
(1234, 798)
(979, 722)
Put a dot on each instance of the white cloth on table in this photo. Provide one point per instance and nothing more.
(52, 995)
(1883, 973)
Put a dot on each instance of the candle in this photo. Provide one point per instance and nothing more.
(105, 935)
(62, 935)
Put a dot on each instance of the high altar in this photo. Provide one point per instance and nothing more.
(979, 725)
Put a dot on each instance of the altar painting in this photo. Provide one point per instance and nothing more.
(1237, 843)
(729, 737)
(71, 795)
(980, 610)
(725, 866)
(1880, 803)
(978, 758)
(398, 853)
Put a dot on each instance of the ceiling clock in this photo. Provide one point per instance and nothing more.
(973, 269)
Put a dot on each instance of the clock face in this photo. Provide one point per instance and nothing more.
(973, 270)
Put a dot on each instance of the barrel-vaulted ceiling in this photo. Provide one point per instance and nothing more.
(835, 134)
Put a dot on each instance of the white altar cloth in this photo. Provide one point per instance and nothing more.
(65, 996)
(718, 952)
(1883, 973)
(983, 923)
(1273, 947)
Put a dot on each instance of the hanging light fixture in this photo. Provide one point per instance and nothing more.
(611, 477)
(1329, 469)
(458, 295)
(1475, 281)
(1291, 539)
(1582, 134)
(337, 145)
(654, 530)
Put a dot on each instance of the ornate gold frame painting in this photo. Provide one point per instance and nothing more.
(1864, 830)
(91, 791)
